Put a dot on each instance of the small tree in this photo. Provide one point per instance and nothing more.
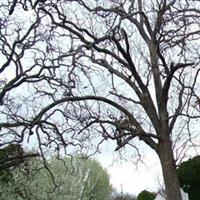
(11, 157)
(67, 178)
(188, 173)
(146, 195)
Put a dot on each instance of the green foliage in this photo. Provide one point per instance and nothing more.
(146, 195)
(10, 157)
(188, 173)
(68, 179)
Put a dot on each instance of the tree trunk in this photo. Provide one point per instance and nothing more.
(172, 186)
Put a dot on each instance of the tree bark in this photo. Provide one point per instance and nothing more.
(172, 186)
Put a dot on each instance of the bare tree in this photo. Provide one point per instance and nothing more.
(82, 72)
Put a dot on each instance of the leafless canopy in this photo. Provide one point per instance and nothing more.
(76, 72)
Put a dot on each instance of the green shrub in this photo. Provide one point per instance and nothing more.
(146, 195)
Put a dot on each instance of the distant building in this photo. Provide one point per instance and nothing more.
(161, 196)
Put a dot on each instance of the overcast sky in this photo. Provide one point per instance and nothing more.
(131, 178)
(126, 176)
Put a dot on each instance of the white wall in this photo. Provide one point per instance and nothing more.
(162, 197)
